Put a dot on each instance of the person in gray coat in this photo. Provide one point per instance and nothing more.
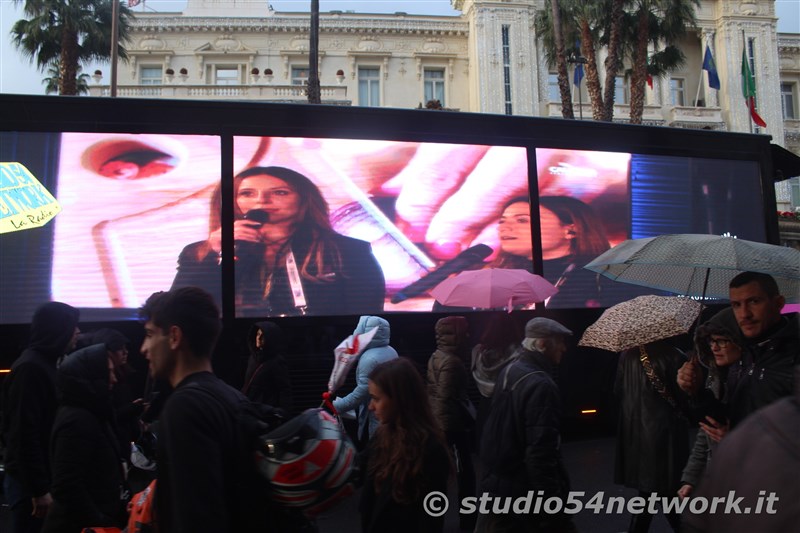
(376, 352)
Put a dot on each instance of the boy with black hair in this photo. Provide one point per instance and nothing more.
(205, 480)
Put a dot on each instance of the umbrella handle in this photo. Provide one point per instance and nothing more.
(326, 402)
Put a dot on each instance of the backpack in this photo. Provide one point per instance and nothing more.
(498, 445)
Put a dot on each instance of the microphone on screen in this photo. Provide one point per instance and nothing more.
(249, 248)
(469, 258)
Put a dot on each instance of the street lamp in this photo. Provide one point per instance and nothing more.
(313, 88)
(578, 61)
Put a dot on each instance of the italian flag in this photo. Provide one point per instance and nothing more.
(749, 91)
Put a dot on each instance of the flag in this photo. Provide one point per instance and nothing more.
(134, 3)
(578, 76)
(649, 81)
(711, 67)
(749, 91)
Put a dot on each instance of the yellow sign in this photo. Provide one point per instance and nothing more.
(24, 202)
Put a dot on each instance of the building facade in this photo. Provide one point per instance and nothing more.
(486, 60)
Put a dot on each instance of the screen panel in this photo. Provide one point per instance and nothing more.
(129, 202)
(590, 201)
(418, 205)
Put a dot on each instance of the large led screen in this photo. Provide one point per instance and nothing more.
(327, 226)
(129, 203)
(591, 201)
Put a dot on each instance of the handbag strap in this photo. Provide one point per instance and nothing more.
(654, 380)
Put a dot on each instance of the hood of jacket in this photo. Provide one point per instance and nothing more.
(52, 327)
(723, 323)
(274, 340)
(452, 334)
(83, 379)
(368, 322)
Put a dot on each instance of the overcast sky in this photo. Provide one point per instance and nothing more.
(19, 75)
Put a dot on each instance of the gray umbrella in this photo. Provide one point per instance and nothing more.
(698, 265)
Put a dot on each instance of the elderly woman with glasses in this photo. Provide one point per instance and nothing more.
(718, 343)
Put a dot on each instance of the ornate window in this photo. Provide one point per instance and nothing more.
(369, 86)
(151, 75)
(676, 92)
(434, 84)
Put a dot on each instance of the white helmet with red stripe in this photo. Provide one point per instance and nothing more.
(309, 462)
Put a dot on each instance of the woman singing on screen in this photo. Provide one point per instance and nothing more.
(572, 235)
(288, 258)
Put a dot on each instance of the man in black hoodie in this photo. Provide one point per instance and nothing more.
(29, 408)
(267, 377)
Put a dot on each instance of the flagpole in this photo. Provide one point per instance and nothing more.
(746, 99)
(699, 83)
(114, 45)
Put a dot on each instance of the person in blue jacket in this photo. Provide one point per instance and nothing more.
(376, 352)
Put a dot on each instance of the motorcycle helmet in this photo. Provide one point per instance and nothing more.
(308, 462)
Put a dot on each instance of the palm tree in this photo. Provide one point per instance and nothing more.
(555, 26)
(52, 81)
(67, 33)
(660, 22)
(613, 62)
(595, 24)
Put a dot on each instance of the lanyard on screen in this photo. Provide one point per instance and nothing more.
(295, 283)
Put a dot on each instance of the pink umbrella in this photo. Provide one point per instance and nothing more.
(491, 288)
(790, 308)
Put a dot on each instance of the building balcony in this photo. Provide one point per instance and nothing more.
(331, 94)
(652, 114)
(791, 132)
(695, 117)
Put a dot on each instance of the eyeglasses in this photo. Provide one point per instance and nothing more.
(719, 343)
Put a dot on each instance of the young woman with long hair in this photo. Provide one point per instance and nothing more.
(407, 457)
(288, 258)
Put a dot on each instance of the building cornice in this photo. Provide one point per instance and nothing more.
(400, 25)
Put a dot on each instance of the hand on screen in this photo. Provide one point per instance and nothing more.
(243, 230)
(450, 194)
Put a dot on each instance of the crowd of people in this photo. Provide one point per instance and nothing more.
(70, 413)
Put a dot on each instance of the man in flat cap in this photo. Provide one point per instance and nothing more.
(521, 441)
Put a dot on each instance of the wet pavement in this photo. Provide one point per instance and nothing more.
(590, 463)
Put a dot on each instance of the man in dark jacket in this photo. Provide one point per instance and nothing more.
(267, 377)
(29, 408)
(772, 347)
(88, 474)
(206, 481)
(521, 441)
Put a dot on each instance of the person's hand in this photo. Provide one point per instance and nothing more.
(243, 230)
(41, 504)
(714, 429)
(451, 196)
(685, 491)
(690, 376)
